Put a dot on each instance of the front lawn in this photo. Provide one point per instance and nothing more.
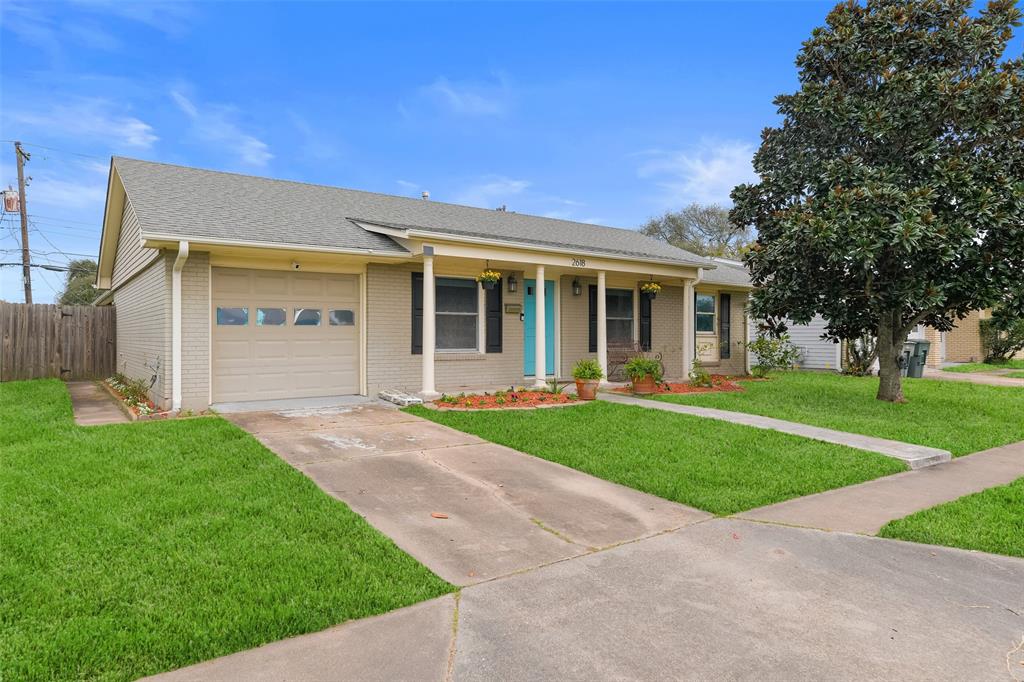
(989, 521)
(131, 549)
(985, 366)
(705, 463)
(956, 416)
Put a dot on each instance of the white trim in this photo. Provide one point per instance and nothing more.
(363, 324)
(147, 237)
(558, 326)
(209, 330)
(636, 314)
(481, 317)
(179, 263)
(839, 356)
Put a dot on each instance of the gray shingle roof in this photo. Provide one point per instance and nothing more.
(727, 273)
(191, 203)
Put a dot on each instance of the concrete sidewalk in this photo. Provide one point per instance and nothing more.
(93, 406)
(723, 600)
(973, 377)
(915, 456)
(866, 507)
(467, 509)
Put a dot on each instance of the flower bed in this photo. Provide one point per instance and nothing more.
(132, 394)
(719, 384)
(504, 400)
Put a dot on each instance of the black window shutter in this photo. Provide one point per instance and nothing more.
(724, 325)
(592, 293)
(645, 323)
(417, 313)
(493, 318)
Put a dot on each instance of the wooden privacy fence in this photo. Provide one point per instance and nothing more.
(65, 342)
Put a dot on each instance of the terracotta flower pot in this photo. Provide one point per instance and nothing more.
(586, 389)
(645, 386)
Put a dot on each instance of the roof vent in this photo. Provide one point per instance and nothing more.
(502, 208)
(425, 195)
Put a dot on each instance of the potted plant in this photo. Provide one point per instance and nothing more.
(489, 279)
(650, 289)
(588, 375)
(645, 373)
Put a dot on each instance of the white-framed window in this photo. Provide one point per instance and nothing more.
(705, 313)
(619, 315)
(232, 317)
(457, 312)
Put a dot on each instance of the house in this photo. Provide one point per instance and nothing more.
(960, 344)
(234, 288)
(815, 352)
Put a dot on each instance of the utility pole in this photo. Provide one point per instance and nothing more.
(26, 265)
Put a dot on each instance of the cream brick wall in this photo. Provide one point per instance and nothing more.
(963, 342)
(575, 327)
(667, 330)
(390, 362)
(195, 331)
(143, 305)
(737, 319)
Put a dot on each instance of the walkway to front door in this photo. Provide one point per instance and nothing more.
(530, 327)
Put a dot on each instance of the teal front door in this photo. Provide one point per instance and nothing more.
(530, 327)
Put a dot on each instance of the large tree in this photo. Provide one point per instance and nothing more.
(700, 228)
(78, 288)
(892, 194)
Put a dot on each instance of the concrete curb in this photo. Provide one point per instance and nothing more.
(915, 456)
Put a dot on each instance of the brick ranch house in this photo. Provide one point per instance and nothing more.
(234, 288)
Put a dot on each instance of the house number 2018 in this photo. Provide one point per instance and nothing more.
(579, 262)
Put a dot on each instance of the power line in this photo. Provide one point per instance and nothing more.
(62, 151)
(66, 220)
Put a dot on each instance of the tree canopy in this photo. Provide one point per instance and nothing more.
(702, 229)
(892, 194)
(78, 283)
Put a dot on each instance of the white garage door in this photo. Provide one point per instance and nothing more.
(279, 334)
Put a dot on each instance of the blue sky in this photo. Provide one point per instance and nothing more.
(606, 113)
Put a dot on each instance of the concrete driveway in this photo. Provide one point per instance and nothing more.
(723, 600)
(501, 511)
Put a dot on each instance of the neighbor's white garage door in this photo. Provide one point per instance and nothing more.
(279, 334)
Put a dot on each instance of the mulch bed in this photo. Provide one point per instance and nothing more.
(516, 400)
(719, 384)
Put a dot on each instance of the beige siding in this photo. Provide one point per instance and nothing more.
(390, 362)
(144, 329)
(130, 256)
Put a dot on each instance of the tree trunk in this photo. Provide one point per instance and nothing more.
(890, 348)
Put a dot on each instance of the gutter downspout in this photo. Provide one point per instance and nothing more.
(179, 263)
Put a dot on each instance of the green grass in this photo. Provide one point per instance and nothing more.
(956, 416)
(1015, 375)
(985, 366)
(712, 465)
(131, 549)
(989, 521)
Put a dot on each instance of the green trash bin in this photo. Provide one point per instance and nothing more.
(907, 358)
(918, 358)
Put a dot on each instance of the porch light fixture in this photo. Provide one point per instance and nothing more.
(576, 288)
(512, 284)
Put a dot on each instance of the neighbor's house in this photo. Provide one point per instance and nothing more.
(233, 288)
(960, 344)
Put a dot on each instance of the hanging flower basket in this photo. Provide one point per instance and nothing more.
(650, 289)
(489, 279)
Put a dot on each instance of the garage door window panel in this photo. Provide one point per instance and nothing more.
(232, 317)
(270, 317)
(457, 313)
(306, 317)
(341, 318)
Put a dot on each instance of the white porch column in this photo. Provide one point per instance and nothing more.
(540, 348)
(429, 319)
(602, 324)
(176, 354)
(688, 330)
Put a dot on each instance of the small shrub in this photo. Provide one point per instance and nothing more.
(499, 400)
(699, 376)
(587, 370)
(638, 367)
(1002, 335)
(772, 354)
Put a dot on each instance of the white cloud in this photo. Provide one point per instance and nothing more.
(69, 192)
(469, 98)
(315, 145)
(490, 191)
(90, 118)
(212, 123)
(705, 174)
